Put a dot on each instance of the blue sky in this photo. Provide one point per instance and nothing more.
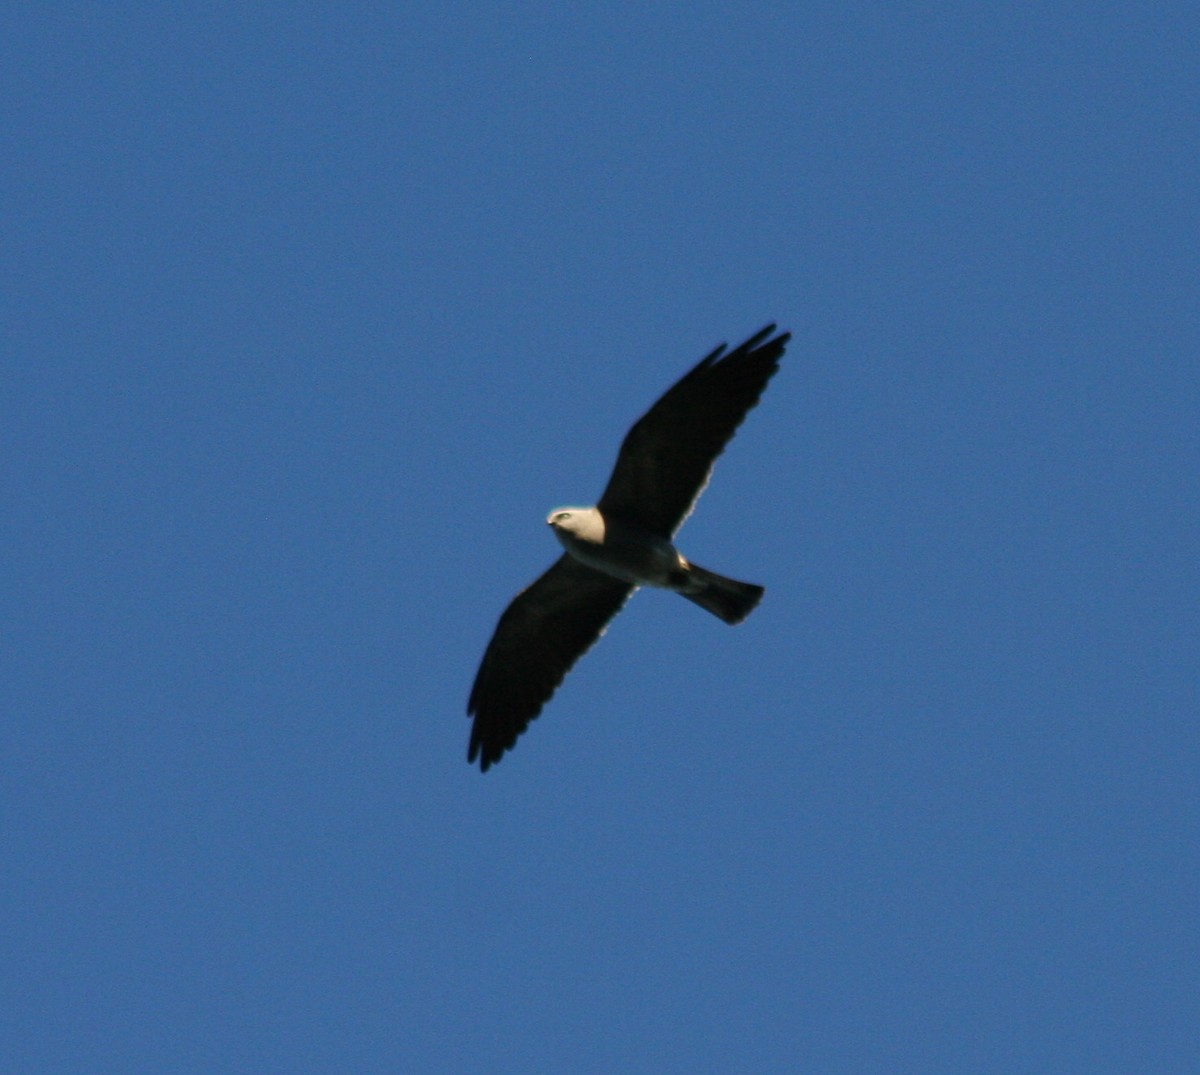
(310, 316)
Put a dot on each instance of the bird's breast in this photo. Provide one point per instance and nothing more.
(627, 553)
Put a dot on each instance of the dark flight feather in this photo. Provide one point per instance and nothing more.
(548, 626)
(667, 457)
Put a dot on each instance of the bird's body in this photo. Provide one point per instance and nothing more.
(629, 553)
(623, 550)
(624, 542)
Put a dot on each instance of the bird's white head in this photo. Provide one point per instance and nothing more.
(582, 524)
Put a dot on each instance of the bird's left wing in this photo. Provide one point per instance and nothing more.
(667, 457)
(548, 626)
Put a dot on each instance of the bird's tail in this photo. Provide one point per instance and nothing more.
(729, 599)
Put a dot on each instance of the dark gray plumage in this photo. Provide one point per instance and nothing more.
(622, 543)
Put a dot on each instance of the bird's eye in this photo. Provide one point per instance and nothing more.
(563, 516)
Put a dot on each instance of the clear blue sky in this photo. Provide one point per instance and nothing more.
(311, 314)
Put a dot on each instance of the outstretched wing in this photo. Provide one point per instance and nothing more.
(667, 457)
(546, 629)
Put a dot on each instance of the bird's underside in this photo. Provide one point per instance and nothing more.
(663, 465)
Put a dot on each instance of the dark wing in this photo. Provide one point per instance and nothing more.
(546, 629)
(666, 458)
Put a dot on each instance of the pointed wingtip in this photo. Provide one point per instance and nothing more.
(764, 333)
(477, 751)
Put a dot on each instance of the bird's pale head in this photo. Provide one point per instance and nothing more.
(582, 524)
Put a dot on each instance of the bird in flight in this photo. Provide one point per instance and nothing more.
(624, 542)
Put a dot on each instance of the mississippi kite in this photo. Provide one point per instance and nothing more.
(622, 543)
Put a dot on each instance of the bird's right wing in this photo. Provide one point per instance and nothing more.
(543, 632)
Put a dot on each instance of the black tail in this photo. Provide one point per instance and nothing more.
(729, 599)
